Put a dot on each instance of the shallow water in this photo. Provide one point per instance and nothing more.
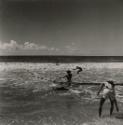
(27, 97)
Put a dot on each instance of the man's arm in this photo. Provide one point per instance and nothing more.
(74, 69)
(101, 87)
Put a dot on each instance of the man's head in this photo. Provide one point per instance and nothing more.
(68, 71)
(111, 82)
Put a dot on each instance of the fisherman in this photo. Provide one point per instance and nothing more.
(68, 76)
(79, 69)
(108, 92)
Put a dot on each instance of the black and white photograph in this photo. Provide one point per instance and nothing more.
(61, 62)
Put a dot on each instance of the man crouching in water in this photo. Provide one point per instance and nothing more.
(108, 92)
(68, 76)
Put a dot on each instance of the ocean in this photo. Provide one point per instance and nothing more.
(27, 97)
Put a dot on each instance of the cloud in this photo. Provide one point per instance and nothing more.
(14, 46)
(72, 48)
(33, 46)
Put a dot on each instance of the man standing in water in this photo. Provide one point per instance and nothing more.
(79, 69)
(108, 92)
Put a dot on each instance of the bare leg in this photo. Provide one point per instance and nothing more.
(112, 106)
(116, 105)
(102, 100)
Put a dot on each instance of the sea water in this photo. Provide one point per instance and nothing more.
(27, 96)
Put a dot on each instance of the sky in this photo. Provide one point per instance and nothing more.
(61, 27)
